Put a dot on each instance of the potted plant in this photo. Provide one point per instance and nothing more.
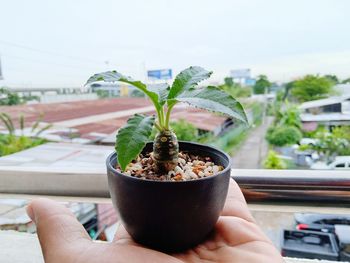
(169, 194)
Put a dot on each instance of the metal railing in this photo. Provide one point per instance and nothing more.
(332, 187)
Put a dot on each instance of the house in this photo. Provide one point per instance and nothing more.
(332, 111)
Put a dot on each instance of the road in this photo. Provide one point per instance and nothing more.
(254, 150)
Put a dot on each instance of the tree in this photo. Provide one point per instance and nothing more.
(345, 81)
(312, 87)
(235, 89)
(261, 84)
(9, 98)
(332, 78)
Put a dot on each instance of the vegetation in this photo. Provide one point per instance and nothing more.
(184, 130)
(261, 85)
(10, 143)
(283, 135)
(234, 89)
(273, 161)
(8, 98)
(132, 138)
(329, 145)
(102, 94)
(290, 116)
(312, 87)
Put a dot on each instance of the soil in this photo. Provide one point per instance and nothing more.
(190, 167)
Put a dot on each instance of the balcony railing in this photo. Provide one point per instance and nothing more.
(332, 187)
(276, 193)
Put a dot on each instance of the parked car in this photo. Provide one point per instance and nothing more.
(339, 163)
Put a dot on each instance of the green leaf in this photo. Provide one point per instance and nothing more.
(187, 79)
(132, 138)
(162, 91)
(213, 99)
(112, 76)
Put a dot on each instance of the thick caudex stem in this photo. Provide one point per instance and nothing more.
(165, 151)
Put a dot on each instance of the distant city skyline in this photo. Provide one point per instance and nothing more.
(61, 43)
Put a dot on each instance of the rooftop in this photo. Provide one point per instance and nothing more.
(95, 120)
(324, 102)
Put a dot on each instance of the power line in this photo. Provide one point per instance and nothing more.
(49, 52)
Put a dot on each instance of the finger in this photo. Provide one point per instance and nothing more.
(235, 204)
(122, 236)
(57, 228)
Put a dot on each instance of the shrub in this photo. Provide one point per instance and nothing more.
(283, 135)
(11, 144)
(273, 161)
(184, 130)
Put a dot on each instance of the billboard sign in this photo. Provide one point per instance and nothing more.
(160, 74)
(240, 73)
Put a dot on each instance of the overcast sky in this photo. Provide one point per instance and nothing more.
(62, 42)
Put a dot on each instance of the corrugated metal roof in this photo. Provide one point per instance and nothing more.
(324, 102)
(325, 117)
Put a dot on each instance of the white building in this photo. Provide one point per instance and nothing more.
(331, 111)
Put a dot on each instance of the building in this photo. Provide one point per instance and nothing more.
(333, 111)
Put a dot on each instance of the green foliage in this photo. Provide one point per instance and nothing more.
(345, 81)
(283, 135)
(335, 143)
(312, 87)
(137, 94)
(8, 98)
(231, 139)
(184, 130)
(133, 137)
(235, 89)
(289, 116)
(261, 85)
(164, 98)
(11, 144)
(187, 79)
(273, 161)
(102, 94)
(213, 99)
(332, 78)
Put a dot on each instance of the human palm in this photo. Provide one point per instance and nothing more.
(236, 238)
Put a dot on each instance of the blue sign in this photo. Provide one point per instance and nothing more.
(163, 74)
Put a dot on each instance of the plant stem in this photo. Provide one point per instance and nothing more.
(167, 118)
(161, 120)
(157, 126)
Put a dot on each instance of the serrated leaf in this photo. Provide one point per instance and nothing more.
(187, 79)
(213, 99)
(161, 89)
(132, 138)
(113, 76)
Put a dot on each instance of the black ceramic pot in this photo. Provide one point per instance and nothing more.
(170, 216)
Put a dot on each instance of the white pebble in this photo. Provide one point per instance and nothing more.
(215, 169)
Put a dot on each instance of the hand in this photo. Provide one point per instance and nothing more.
(236, 238)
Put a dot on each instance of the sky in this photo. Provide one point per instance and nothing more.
(60, 43)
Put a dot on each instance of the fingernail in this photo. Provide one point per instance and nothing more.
(30, 212)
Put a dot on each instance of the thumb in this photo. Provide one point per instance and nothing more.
(58, 230)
